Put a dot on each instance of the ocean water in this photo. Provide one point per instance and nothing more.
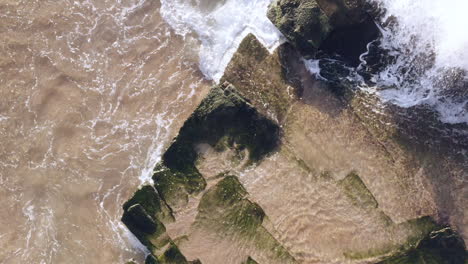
(92, 91)
(427, 42)
(430, 42)
(90, 94)
(219, 26)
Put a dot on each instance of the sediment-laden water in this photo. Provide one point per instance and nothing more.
(91, 92)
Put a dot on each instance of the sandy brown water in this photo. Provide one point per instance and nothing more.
(90, 93)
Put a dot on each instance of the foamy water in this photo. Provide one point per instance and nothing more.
(430, 43)
(220, 26)
(90, 93)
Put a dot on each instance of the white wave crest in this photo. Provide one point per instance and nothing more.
(430, 42)
(220, 26)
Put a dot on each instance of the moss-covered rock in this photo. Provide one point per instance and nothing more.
(225, 203)
(340, 27)
(224, 115)
(150, 200)
(150, 231)
(443, 246)
(250, 261)
(173, 256)
(302, 22)
(357, 191)
(150, 259)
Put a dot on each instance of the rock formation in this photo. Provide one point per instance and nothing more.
(336, 27)
(275, 166)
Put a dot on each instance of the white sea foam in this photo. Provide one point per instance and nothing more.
(220, 26)
(313, 67)
(429, 40)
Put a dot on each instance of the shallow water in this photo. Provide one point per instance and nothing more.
(91, 92)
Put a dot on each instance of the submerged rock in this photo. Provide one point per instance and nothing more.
(331, 131)
(344, 181)
(357, 191)
(443, 246)
(150, 259)
(173, 256)
(224, 119)
(250, 261)
(224, 115)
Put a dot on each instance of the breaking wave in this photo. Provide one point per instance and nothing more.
(220, 26)
(426, 43)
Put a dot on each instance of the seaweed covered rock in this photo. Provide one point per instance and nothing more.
(226, 203)
(150, 259)
(173, 256)
(225, 210)
(144, 215)
(302, 22)
(439, 247)
(224, 115)
(150, 231)
(333, 26)
(150, 200)
(250, 261)
(356, 190)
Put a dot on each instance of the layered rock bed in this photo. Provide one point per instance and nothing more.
(276, 166)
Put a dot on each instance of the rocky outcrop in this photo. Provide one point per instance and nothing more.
(250, 261)
(223, 120)
(443, 246)
(336, 27)
(336, 139)
(318, 175)
(302, 22)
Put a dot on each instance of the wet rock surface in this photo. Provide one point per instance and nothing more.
(443, 246)
(382, 196)
(338, 27)
(319, 175)
(223, 120)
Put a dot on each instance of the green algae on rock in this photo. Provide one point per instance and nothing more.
(226, 209)
(302, 22)
(357, 191)
(336, 27)
(250, 261)
(224, 115)
(172, 256)
(150, 259)
(443, 246)
(150, 200)
(226, 203)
